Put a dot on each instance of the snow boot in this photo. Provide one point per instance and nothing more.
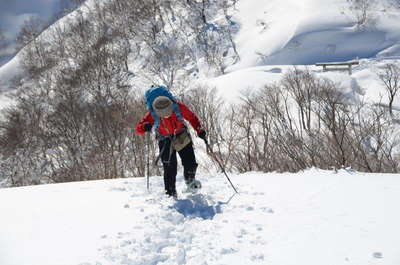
(171, 193)
(192, 185)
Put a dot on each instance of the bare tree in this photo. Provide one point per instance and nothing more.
(390, 76)
(29, 31)
(394, 3)
(302, 86)
(361, 11)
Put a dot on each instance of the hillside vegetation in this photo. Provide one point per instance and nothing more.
(81, 83)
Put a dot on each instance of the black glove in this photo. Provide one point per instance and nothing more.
(202, 134)
(147, 126)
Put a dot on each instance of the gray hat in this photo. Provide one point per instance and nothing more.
(163, 106)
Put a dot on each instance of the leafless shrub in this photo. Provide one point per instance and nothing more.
(21, 141)
(333, 112)
(207, 104)
(302, 86)
(307, 122)
(209, 107)
(390, 77)
(29, 31)
(361, 11)
(72, 98)
(375, 140)
(394, 4)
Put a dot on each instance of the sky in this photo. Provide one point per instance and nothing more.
(13, 13)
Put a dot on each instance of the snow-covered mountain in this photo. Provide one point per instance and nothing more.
(312, 217)
(315, 217)
(311, 31)
(276, 35)
(284, 33)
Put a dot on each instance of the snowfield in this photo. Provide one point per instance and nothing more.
(315, 217)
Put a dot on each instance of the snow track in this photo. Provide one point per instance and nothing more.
(190, 230)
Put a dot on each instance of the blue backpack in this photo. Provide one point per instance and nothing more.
(152, 94)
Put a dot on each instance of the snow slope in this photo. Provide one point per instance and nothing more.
(305, 32)
(275, 34)
(315, 217)
(233, 85)
(13, 68)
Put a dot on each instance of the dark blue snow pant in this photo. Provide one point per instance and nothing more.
(168, 158)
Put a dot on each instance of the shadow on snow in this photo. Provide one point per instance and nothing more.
(198, 206)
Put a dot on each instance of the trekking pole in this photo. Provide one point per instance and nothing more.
(148, 160)
(213, 155)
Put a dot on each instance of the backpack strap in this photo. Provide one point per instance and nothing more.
(177, 111)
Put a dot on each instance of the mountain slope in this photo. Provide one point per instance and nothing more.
(311, 31)
(286, 33)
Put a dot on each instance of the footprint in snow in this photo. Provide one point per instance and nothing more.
(241, 233)
(125, 243)
(117, 189)
(198, 206)
(267, 209)
(225, 251)
(257, 257)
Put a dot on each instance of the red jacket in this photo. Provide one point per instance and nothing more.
(171, 125)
